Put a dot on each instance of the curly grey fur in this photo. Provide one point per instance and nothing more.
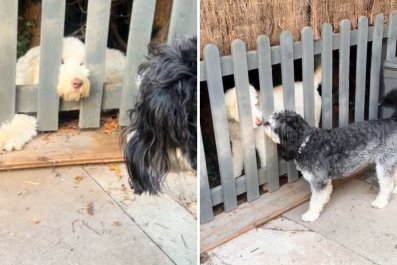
(323, 155)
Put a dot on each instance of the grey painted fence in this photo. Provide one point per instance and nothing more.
(213, 68)
(42, 98)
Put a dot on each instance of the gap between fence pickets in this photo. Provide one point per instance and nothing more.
(227, 226)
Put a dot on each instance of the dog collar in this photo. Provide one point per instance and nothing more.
(303, 144)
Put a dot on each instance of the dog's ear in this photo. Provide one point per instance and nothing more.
(291, 131)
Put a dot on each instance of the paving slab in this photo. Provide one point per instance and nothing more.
(351, 222)
(282, 241)
(62, 216)
(165, 219)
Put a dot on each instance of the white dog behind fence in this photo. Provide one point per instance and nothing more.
(16, 133)
(73, 82)
(233, 117)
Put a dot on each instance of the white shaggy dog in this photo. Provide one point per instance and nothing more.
(74, 83)
(233, 117)
(16, 133)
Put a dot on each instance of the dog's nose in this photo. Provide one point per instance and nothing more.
(77, 83)
(258, 122)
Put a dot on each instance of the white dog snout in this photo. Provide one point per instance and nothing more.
(77, 83)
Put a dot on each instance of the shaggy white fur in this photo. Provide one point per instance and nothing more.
(15, 134)
(233, 117)
(73, 82)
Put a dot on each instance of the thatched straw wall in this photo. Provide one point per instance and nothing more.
(226, 20)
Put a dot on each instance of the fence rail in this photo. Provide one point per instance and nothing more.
(214, 67)
(42, 98)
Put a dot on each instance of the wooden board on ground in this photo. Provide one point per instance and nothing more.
(65, 147)
(227, 226)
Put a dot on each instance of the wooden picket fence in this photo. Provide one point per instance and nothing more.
(214, 67)
(43, 99)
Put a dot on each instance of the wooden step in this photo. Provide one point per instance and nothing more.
(65, 147)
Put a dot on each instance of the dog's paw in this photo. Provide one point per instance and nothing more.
(310, 216)
(395, 189)
(379, 203)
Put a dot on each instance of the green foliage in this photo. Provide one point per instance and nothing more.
(24, 36)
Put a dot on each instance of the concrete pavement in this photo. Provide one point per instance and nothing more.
(88, 215)
(349, 231)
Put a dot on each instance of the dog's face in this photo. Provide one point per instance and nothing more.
(232, 108)
(164, 120)
(73, 82)
(286, 128)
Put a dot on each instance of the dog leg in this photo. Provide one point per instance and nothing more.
(317, 201)
(386, 184)
(237, 155)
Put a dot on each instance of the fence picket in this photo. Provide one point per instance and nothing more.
(139, 37)
(392, 36)
(8, 54)
(361, 67)
(218, 111)
(376, 54)
(206, 213)
(308, 70)
(244, 108)
(326, 75)
(287, 74)
(183, 19)
(96, 42)
(53, 16)
(267, 104)
(344, 63)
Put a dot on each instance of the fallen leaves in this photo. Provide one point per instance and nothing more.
(116, 169)
(78, 179)
(111, 127)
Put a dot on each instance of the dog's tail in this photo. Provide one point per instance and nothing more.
(16, 133)
(317, 77)
(390, 100)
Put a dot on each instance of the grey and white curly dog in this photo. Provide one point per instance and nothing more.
(322, 155)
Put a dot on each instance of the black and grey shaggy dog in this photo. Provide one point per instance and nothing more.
(163, 131)
(323, 155)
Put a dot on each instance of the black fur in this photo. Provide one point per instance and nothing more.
(165, 116)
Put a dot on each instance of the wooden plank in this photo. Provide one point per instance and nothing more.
(247, 216)
(26, 99)
(227, 226)
(287, 73)
(361, 67)
(307, 73)
(206, 213)
(245, 115)
(95, 46)
(8, 54)
(218, 112)
(326, 74)
(65, 148)
(139, 37)
(344, 63)
(392, 36)
(252, 60)
(376, 55)
(183, 19)
(217, 192)
(266, 88)
(53, 16)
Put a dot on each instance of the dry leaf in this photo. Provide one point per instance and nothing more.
(116, 169)
(78, 179)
